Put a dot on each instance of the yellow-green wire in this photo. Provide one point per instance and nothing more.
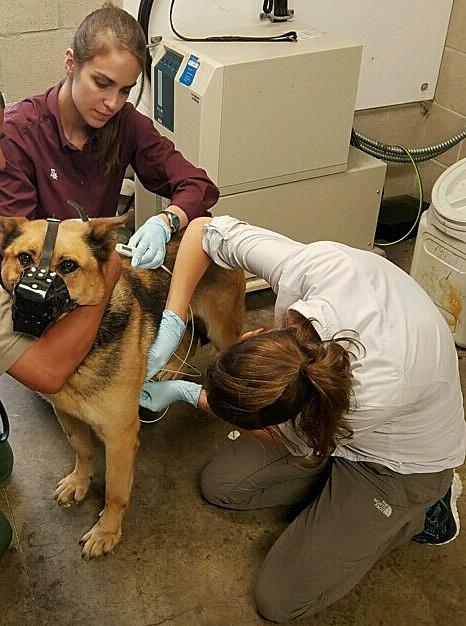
(421, 201)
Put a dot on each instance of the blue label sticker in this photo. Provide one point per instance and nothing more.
(189, 71)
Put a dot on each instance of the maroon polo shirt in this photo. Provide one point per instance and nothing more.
(44, 170)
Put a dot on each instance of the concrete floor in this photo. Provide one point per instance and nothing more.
(181, 562)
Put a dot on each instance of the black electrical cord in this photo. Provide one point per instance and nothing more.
(144, 12)
(279, 8)
(289, 36)
(267, 7)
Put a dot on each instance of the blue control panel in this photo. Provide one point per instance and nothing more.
(189, 72)
(164, 88)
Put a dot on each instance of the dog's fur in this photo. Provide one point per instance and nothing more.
(103, 393)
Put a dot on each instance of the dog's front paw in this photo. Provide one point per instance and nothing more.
(72, 488)
(99, 541)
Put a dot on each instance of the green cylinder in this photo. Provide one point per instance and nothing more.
(6, 533)
(6, 460)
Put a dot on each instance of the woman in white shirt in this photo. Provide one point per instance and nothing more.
(353, 400)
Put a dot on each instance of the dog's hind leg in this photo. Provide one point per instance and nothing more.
(219, 302)
(121, 445)
(74, 487)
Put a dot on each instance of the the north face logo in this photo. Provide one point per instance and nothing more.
(383, 507)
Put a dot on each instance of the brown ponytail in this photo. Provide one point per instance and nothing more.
(275, 376)
(102, 29)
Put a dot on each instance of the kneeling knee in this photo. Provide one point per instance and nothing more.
(269, 606)
(230, 492)
(275, 604)
(212, 489)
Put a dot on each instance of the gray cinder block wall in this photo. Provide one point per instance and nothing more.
(33, 37)
(35, 33)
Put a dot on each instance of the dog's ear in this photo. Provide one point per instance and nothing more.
(102, 234)
(10, 228)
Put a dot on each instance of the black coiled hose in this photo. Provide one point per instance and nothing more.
(144, 12)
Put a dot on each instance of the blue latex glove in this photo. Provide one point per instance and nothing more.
(150, 240)
(170, 332)
(157, 396)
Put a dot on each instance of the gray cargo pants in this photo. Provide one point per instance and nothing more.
(357, 513)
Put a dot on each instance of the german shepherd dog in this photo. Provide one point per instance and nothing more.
(103, 393)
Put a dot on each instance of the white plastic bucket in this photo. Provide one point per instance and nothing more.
(439, 261)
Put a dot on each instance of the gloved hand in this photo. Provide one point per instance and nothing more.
(170, 332)
(157, 396)
(149, 241)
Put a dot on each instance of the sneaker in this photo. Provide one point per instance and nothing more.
(6, 461)
(6, 534)
(442, 523)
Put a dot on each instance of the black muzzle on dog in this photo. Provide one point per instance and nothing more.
(40, 296)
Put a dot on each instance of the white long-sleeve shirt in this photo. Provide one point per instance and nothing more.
(408, 406)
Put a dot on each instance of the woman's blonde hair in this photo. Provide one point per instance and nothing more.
(274, 377)
(105, 28)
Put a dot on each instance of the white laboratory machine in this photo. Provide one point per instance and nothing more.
(270, 122)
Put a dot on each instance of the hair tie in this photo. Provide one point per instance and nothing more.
(303, 368)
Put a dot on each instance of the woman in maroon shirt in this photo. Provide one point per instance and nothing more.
(75, 141)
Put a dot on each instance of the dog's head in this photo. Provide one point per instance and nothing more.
(81, 249)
